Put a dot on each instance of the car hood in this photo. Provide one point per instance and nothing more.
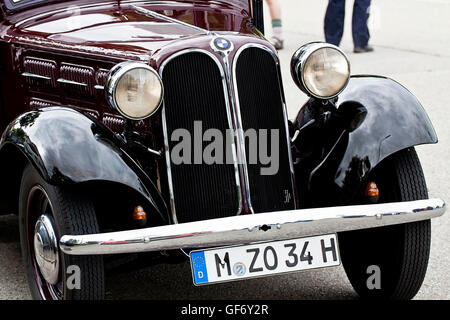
(124, 30)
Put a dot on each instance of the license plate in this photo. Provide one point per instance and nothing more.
(263, 259)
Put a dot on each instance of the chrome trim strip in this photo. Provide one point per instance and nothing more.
(36, 76)
(65, 81)
(168, 164)
(294, 138)
(154, 152)
(166, 137)
(239, 132)
(154, 14)
(283, 103)
(246, 229)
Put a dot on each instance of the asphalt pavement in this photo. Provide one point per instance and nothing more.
(412, 45)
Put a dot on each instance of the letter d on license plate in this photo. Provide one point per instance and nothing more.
(262, 259)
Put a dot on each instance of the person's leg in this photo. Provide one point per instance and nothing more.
(274, 9)
(360, 29)
(277, 27)
(334, 21)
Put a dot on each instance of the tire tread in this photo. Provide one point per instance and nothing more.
(417, 235)
(79, 217)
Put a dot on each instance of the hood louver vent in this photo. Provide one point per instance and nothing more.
(77, 80)
(40, 73)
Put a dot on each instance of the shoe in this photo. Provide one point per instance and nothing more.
(366, 48)
(277, 43)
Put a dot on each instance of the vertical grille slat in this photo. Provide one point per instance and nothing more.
(194, 92)
(261, 107)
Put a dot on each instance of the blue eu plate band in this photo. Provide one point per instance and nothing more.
(199, 267)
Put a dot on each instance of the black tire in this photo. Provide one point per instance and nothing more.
(71, 213)
(401, 252)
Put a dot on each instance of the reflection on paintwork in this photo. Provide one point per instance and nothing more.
(121, 31)
(127, 32)
(395, 120)
(75, 149)
(71, 23)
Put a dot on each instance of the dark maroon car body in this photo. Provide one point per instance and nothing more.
(57, 41)
(98, 35)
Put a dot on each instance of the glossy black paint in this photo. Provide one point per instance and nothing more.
(67, 147)
(258, 15)
(374, 117)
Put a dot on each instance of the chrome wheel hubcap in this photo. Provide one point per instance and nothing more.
(46, 248)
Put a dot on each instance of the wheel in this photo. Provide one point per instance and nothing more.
(46, 213)
(400, 252)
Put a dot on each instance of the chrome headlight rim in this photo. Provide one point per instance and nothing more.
(114, 77)
(301, 57)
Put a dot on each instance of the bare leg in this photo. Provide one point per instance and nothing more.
(275, 9)
(275, 14)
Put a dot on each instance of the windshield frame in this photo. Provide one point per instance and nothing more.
(12, 7)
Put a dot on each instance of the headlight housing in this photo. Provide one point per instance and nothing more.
(321, 70)
(134, 89)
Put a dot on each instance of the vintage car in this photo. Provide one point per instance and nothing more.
(158, 129)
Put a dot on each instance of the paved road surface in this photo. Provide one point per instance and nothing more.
(412, 45)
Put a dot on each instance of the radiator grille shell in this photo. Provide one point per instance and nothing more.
(196, 90)
(200, 191)
(261, 107)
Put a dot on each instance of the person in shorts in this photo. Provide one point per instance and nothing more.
(277, 39)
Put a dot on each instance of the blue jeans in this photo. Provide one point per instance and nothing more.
(334, 22)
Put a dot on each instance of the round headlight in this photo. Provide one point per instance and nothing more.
(321, 70)
(134, 89)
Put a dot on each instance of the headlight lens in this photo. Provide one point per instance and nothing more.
(135, 90)
(322, 70)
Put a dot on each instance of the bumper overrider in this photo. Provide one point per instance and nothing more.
(246, 229)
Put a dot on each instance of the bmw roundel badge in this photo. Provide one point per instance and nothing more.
(222, 44)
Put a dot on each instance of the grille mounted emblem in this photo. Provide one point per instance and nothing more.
(221, 44)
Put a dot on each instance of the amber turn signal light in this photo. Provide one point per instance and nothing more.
(139, 216)
(139, 213)
(372, 192)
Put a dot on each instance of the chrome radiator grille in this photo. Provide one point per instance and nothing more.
(261, 108)
(196, 90)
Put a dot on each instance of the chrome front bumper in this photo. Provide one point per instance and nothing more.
(246, 229)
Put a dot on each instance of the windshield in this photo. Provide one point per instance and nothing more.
(17, 5)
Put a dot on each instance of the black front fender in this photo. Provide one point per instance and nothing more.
(395, 120)
(66, 147)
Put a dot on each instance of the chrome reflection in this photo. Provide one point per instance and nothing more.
(246, 229)
(46, 249)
